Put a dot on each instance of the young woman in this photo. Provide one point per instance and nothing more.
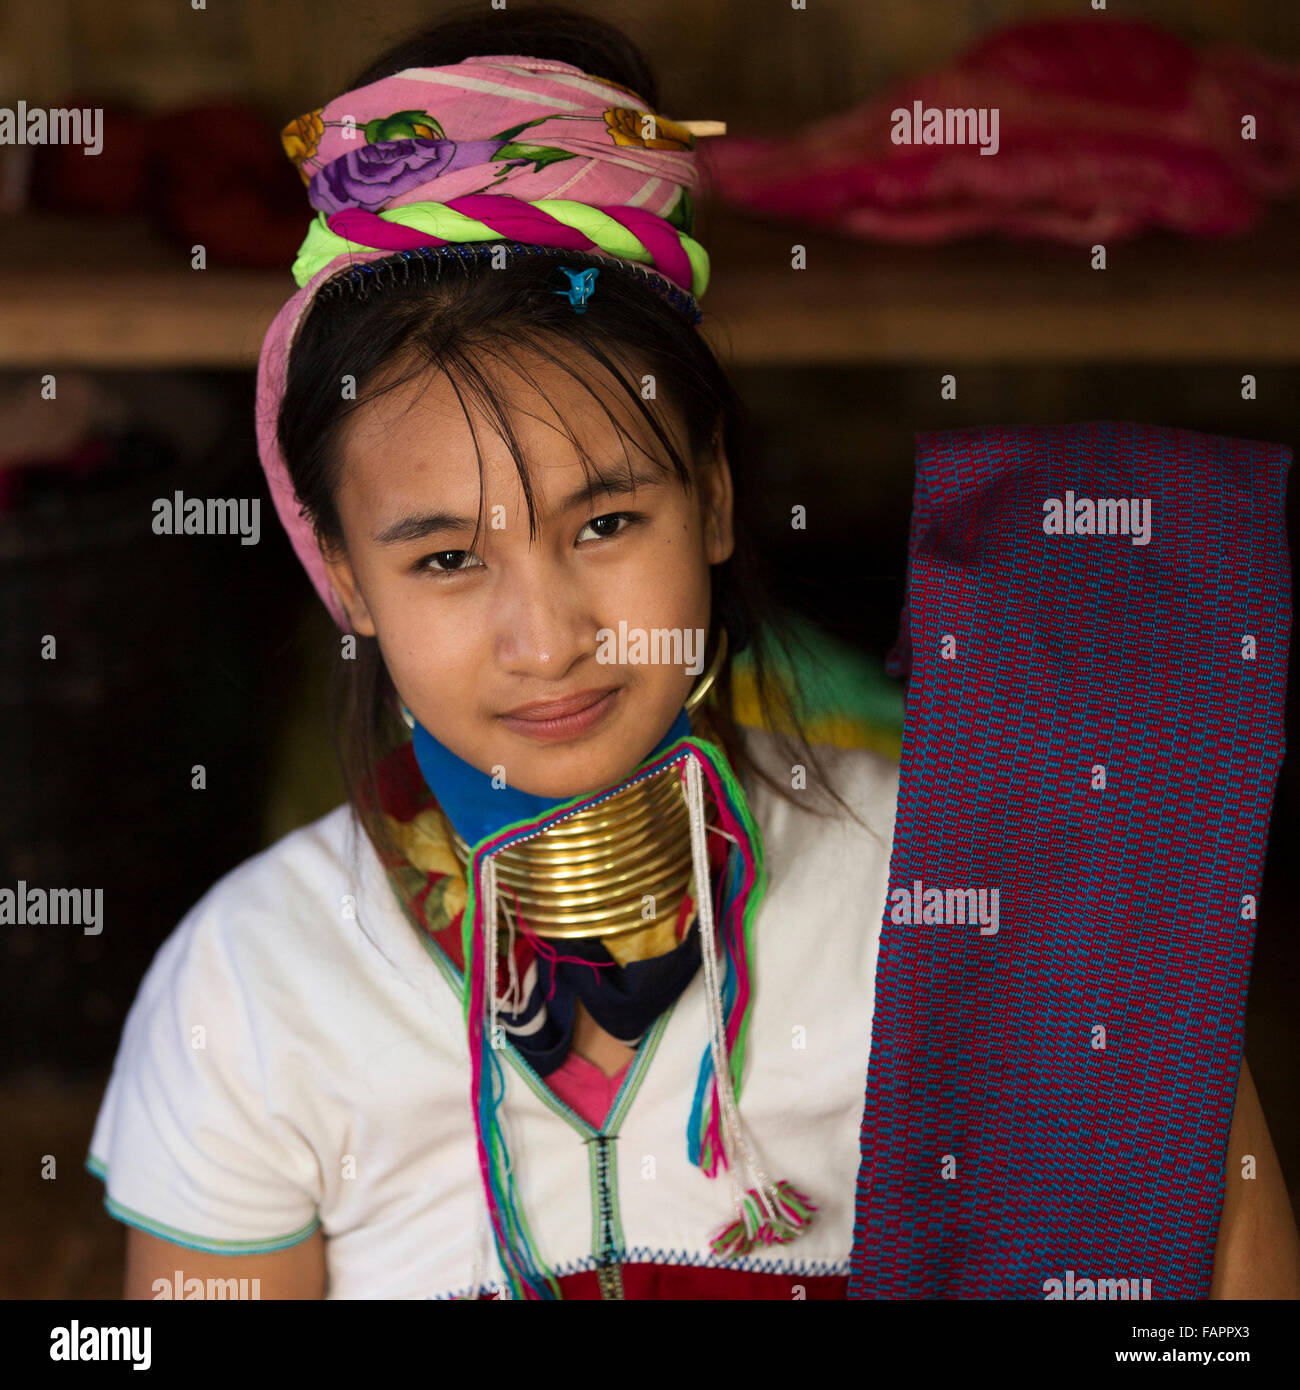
(586, 1009)
(513, 455)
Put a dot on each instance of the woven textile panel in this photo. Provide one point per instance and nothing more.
(1094, 730)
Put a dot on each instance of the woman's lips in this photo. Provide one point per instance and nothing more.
(556, 728)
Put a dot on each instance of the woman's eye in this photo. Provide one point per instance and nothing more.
(607, 526)
(449, 561)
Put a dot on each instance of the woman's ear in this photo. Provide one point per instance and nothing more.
(345, 585)
(716, 500)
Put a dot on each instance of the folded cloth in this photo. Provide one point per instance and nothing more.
(1094, 729)
(1104, 128)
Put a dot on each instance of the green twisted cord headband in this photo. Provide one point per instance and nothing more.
(322, 245)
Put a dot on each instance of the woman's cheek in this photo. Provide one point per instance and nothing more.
(656, 590)
(425, 649)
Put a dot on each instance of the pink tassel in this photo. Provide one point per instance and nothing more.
(753, 1227)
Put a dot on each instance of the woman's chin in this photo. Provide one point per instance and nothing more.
(573, 772)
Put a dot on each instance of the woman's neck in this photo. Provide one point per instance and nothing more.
(598, 1047)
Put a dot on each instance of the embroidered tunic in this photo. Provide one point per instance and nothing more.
(296, 1058)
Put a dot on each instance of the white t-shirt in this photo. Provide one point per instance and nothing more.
(296, 1057)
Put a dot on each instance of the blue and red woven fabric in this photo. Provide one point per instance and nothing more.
(1055, 1096)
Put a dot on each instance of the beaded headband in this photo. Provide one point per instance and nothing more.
(377, 271)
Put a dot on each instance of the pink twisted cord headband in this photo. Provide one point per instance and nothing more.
(516, 221)
(493, 148)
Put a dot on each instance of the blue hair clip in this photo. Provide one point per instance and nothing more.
(581, 285)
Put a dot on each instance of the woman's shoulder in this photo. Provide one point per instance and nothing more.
(211, 1127)
(865, 778)
(819, 857)
(281, 920)
(292, 878)
(808, 834)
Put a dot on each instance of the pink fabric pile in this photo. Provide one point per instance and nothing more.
(1104, 128)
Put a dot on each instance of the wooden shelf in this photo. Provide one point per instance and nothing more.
(987, 300)
(120, 298)
(124, 300)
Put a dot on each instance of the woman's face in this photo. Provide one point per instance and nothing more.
(473, 633)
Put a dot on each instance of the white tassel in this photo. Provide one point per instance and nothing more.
(734, 1137)
(488, 896)
(515, 998)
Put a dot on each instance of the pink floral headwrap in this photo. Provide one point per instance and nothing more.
(501, 148)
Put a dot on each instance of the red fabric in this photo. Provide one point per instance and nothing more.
(80, 462)
(1105, 127)
(670, 1281)
(168, 164)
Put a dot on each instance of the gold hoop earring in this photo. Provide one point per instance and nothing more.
(705, 682)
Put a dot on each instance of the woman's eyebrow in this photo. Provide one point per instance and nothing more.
(619, 485)
(420, 525)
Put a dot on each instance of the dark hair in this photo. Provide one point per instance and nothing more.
(412, 315)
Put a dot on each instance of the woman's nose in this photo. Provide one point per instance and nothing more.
(544, 626)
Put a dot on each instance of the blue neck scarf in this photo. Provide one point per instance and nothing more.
(474, 806)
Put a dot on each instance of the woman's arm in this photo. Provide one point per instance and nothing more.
(1258, 1254)
(298, 1272)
